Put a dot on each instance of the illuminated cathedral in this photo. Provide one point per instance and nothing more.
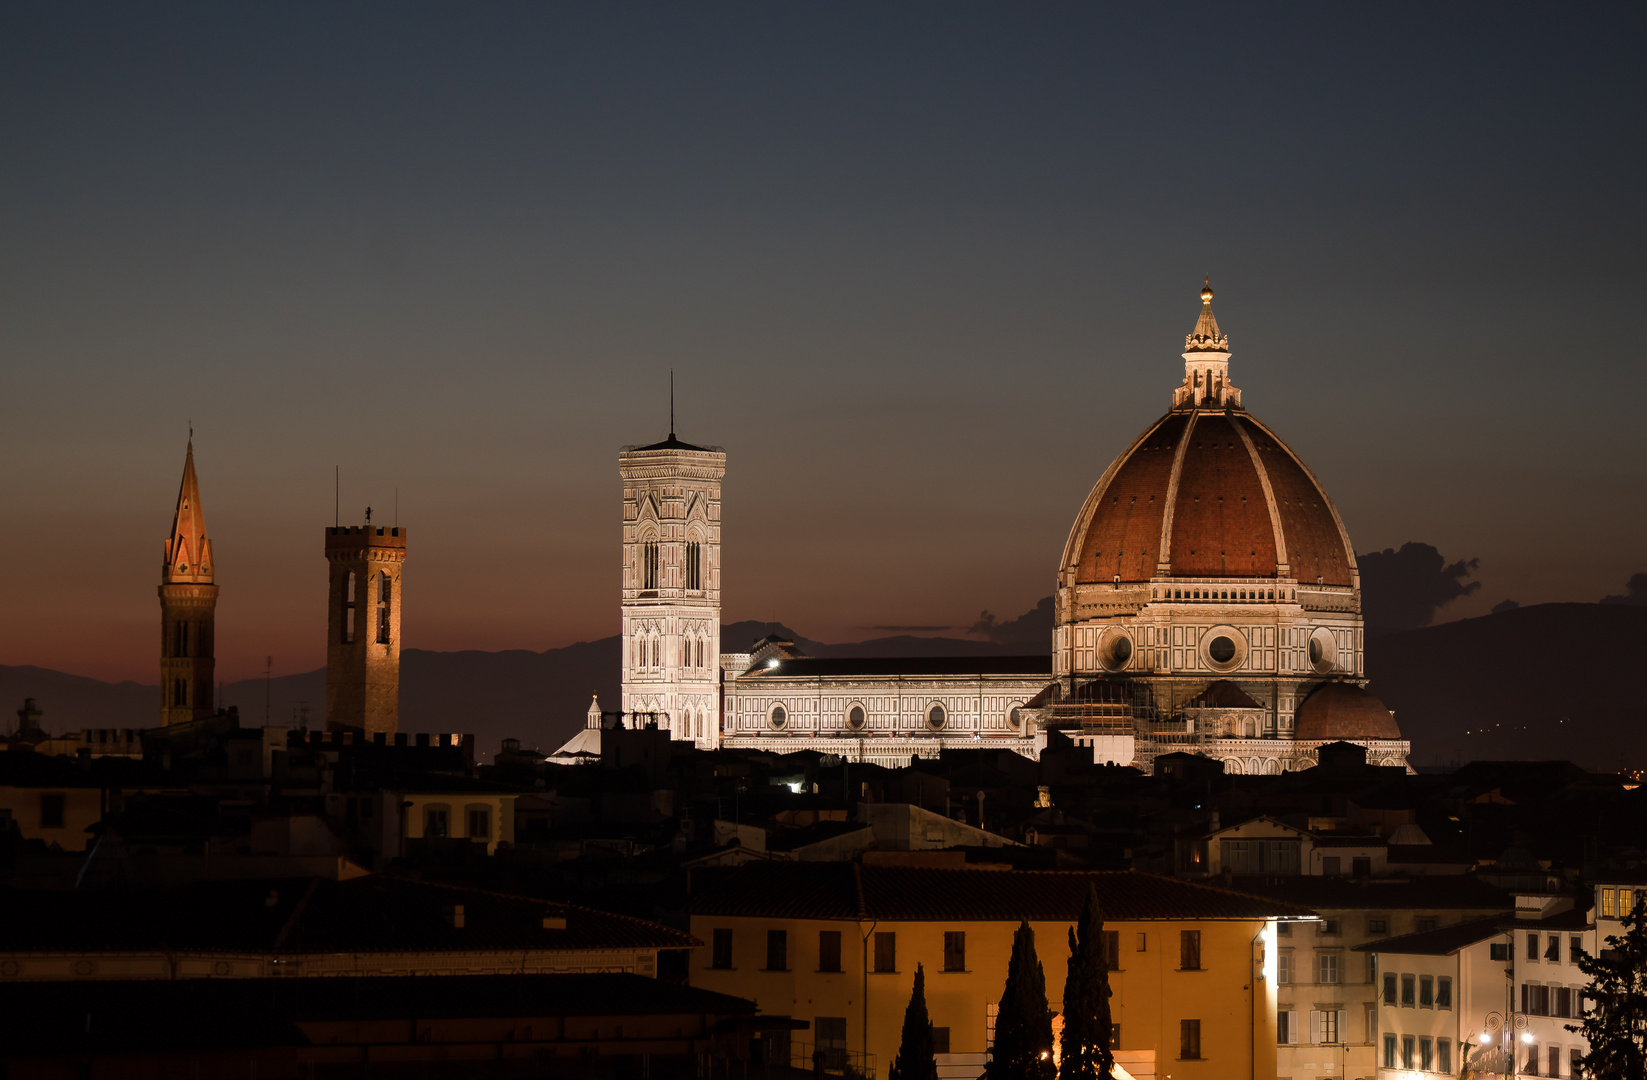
(1207, 601)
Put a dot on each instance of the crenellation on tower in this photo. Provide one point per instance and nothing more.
(188, 608)
(363, 627)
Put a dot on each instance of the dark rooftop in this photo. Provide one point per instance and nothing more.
(1440, 892)
(673, 443)
(854, 891)
(297, 915)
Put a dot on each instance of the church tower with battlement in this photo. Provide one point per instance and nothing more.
(363, 627)
(672, 586)
(188, 607)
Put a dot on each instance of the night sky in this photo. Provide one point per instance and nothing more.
(923, 270)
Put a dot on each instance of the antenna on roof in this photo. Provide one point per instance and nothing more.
(671, 403)
(337, 496)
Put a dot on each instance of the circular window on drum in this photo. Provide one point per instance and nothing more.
(1223, 648)
(936, 716)
(1115, 649)
(1015, 716)
(856, 717)
(778, 718)
(1323, 650)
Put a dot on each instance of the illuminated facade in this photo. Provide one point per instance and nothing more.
(672, 586)
(1207, 600)
(188, 608)
(1208, 597)
(363, 627)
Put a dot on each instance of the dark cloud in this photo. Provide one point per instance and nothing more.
(1031, 631)
(1402, 590)
(1635, 592)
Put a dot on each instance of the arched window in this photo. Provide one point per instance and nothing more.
(349, 609)
(649, 565)
(180, 692)
(655, 652)
(694, 565)
(180, 640)
(383, 593)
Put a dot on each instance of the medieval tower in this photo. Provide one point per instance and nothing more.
(672, 585)
(188, 605)
(363, 627)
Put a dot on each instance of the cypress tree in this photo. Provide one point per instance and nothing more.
(1084, 1052)
(914, 1060)
(1023, 1026)
(1616, 1023)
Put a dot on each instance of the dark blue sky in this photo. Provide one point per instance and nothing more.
(922, 269)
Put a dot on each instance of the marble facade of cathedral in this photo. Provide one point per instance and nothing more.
(1207, 601)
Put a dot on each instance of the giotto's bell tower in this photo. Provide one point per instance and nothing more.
(672, 585)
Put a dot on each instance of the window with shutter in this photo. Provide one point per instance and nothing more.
(829, 950)
(1189, 950)
(886, 950)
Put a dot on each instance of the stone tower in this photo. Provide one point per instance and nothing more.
(672, 585)
(363, 627)
(188, 605)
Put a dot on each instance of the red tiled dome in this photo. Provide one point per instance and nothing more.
(1343, 711)
(1212, 468)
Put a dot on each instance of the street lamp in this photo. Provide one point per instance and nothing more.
(1508, 1024)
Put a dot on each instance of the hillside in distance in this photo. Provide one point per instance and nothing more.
(540, 698)
(1552, 681)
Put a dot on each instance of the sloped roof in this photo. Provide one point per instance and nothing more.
(1432, 891)
(1443, 941)
(913, 894)
(296, 915)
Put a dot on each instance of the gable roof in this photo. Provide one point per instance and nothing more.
(915, 894)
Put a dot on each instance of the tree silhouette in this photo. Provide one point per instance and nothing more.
(1084, 1052)
(1616, 1022)
(914, 1060)
(1023, 1027)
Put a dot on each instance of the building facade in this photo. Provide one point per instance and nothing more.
(838, 943)
(363, 627)
(672, 586)
(188, 608)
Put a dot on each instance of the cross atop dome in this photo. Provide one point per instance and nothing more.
(1206, 364)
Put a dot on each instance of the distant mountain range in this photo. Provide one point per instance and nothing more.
(1549, 681)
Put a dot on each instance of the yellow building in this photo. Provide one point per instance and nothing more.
(836, 944)
(473, 812)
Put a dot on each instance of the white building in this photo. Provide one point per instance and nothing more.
(672, 586)
(1506, 987)
(1207, 600)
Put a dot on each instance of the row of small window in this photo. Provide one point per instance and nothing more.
(1563, 1001)
(856, 719)
(651, 563)
(648, 652)
(437, 822)
(885, 958)
(1432, 991)
(1617, 904)
(1327, 968)
(1549, 951)
(1420, 1053)
(1328, 1027)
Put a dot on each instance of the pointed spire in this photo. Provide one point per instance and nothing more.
(188, 549)
(1206, 337)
